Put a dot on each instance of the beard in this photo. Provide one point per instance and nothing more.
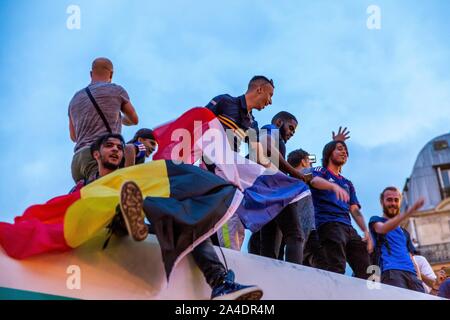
(391, 212)
(337, 162)
(109, 165)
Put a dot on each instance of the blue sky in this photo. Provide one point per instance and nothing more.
(391, 87)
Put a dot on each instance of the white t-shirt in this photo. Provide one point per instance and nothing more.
(425, 269)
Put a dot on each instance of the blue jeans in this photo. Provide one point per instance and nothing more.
(209, 263)
(402, 279)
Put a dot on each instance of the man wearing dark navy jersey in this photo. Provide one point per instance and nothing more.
(340, 241)
(236, 113)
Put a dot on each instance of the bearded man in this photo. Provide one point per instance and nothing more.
(392, 253)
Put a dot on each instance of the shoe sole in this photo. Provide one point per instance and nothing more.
(131, 204)
(245, 294)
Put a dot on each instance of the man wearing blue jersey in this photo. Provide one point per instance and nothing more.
(339, 240)
(392, 253)
(296, 220)
(295, 223)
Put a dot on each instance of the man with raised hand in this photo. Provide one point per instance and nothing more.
(339, 240)
(392, 253)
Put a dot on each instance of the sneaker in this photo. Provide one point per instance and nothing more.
(230, 290)
(131, 203)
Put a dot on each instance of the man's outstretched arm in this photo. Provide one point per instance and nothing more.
(322, 184)
(391, 224)
(283, 165)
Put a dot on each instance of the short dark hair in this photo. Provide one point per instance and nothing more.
(259, 80)
(390, 188)
(96, 145)
(328, 150)
(295, 157)
(285, 116)
(143, 133)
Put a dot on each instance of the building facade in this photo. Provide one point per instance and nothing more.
(430, 178)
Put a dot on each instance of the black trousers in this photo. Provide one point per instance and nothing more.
(313, 255)
(209, 263)
(340, 244)
(402, 279)
(288, 222)
(254, 243)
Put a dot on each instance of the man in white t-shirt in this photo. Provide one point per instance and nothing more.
(426, 272)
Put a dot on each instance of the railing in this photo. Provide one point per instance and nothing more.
(436, 253)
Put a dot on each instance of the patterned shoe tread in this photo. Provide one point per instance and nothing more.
(131, 202)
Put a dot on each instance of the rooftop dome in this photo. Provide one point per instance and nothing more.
(430, 177)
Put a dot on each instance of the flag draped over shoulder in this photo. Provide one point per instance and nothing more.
(199, 135)
(190, 214)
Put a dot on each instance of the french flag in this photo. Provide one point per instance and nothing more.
(198, 136)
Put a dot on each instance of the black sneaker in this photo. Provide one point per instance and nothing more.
(131, 203)
(230, 290)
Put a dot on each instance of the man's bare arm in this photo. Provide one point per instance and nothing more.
(130, 155)
(428, 281)
(130, 116)
(275, 154)
(359, 219)
(256, 149)
(391, 224)
(322, 184)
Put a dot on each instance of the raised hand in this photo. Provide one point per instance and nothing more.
(342, 135)
(418, 204)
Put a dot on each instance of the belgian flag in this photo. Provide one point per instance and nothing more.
(184, 203)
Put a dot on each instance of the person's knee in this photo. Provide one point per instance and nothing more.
(75, 169)
(294, 237)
